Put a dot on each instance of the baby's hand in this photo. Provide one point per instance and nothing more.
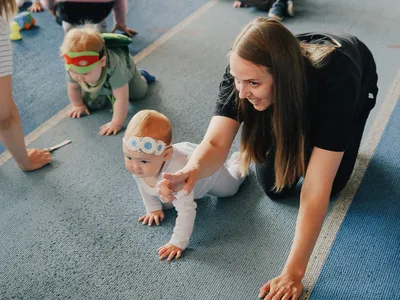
(36, 7)
(237, 4)
(154, 216)
(78, 111)
(169, 250)
(110, 128)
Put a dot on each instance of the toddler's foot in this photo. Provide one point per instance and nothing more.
(290, 8)
(277, 10)
(149, 78)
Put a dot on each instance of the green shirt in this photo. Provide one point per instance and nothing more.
(120, 70)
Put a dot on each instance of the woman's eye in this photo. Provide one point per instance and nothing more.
(144, 162)
(128, 157)
(254, 83)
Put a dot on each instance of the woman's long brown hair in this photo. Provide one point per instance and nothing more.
(9, 7)
(268, 43)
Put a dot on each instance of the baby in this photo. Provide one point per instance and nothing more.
(99, 74)
(149, 153)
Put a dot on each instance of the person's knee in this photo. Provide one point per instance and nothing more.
(273, 195)
(269, 191)
(6, 119)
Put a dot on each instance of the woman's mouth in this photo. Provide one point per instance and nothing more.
(254, 101)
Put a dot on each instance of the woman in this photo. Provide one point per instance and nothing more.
(303, 103)
(11, 134)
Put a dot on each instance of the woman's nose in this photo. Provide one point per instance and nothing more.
(243, 91)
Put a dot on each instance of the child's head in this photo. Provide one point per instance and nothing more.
(83, 53)
(147, 143)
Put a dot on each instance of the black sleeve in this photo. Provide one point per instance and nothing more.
(339, 90)
(226, 102)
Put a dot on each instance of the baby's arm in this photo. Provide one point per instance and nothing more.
(120, 107)
(75, 97)
(186, 208)
(153, 208)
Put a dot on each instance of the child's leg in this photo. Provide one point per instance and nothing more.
(229, 180)
(103, 26)
(137, 86)
(66, 26)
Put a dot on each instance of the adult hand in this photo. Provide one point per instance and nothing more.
(284, 287)
(122, 27)
(185, 179)
(36, 7)
(37, 158)
(154, 216)
(109, 128)
(78, 111)
(170, 251)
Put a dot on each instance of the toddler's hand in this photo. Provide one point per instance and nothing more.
(124, 28)
(109, 128)
(237, 4)
(36, 7)
(154, 216)
(78, 111)
(169, 250)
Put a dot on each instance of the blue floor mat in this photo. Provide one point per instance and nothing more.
(365, 257)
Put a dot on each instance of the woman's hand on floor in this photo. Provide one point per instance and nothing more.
(154, 216)
(170, 252)
(284, 287)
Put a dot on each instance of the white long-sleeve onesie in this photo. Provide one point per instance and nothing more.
(184, 205)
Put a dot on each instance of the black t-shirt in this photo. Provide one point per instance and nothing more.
(337, 91)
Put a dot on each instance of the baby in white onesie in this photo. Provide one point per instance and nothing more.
(149, 153)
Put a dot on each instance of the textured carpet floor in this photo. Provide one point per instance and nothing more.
(364, 259)
(70, 230)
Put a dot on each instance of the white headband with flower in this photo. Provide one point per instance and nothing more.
(145, 144)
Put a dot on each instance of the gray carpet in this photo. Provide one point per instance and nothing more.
(70, 230)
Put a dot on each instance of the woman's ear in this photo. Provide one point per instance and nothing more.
(168, 153)
(103, 61)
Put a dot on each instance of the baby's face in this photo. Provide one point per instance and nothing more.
(143, 165)
(91, 77)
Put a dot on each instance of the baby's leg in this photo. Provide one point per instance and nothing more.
(229, 180)
(103, 26)
(67, 26)
(137, 86)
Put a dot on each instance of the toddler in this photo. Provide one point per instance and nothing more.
(149, 153)
(100, 70)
